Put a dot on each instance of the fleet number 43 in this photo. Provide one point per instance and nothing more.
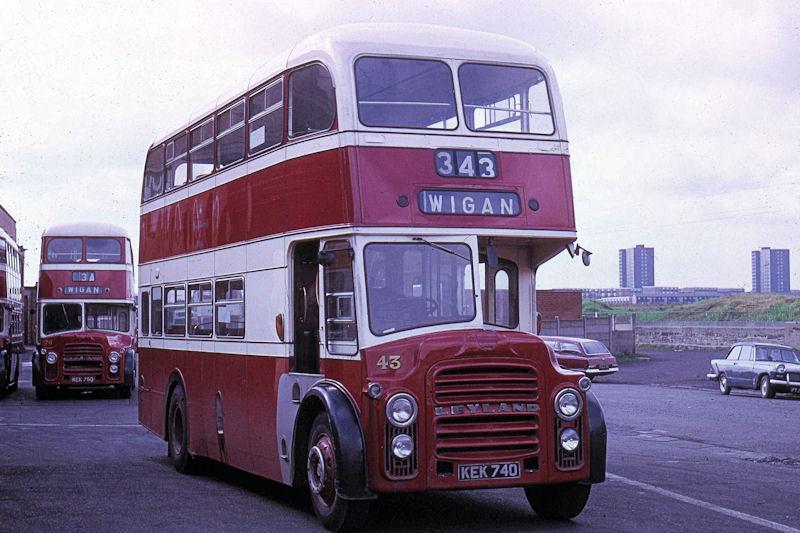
(389, 361)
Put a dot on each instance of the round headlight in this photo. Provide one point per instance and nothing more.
(51, 358)
(402, 446)
(569, 439)
(585, 383)
(568, 404)
(374, 390)
(44, 351)
(401, 410)
(113, 369)
(113, 357)
(780, 369)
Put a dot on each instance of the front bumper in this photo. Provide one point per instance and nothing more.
(785, 385)
(592, 372)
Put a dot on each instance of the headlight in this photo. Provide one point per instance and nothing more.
(780, 369)
(113, 369)
(51, 358)
(44, 351)
(568, 404)
(113, 357)
(569, 439)
(402, 446)
(401, 410)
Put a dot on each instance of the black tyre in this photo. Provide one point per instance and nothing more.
(335, 513)
(15, 386)
(178, 433)
(558, 502)
(124, 391)
(44, 392)
(766, 388)
(724, 387)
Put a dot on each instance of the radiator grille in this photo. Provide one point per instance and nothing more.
(486, 409)
(400, 468)
(794, 377)
(83, 358)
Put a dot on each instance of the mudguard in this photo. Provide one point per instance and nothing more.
(598, 436)
(36, 369)
(130, 367)
(351, 461)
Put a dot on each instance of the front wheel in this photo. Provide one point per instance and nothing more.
(558, 502)
(124, 391)
(766, 388)
(335, 513)
(178, 433)
(724, 387)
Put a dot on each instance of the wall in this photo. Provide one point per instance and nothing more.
(559, 303)
(715, 335)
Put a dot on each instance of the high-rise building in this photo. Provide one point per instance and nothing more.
(637, 267)
(770, 270)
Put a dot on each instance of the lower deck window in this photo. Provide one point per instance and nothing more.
(175, 311)
(229, 305)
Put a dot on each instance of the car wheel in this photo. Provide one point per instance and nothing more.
(766, 388)
(178, 433)
(724, 388)
(558, 502)
(15, 386)
(335, 513)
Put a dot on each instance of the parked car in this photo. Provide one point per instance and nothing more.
(769, 368)
(586, 355)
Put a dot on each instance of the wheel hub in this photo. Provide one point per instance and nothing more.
(321, 470)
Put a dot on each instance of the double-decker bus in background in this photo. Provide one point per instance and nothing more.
(338, 270)
(11, 345)
(86, 310)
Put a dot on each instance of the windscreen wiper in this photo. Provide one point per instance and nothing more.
(442, 248)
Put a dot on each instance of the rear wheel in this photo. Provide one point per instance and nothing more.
(335, 513)
(766, 388)
(178, 433)
(724, 387)
(558, 502)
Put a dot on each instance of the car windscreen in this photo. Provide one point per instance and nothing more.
(412, 285)
(595, 348)
(569, 347)
(109, 317)
(405, 93)
(776, 354)
(62, 317)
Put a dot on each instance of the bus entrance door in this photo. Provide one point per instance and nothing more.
(306, 308)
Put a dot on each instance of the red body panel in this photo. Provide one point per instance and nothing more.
(249, 385)
(325, 189)
(114, 284)
(84, 354)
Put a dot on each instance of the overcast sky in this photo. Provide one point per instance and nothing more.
(683, 118)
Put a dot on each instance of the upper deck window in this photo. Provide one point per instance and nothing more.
(177, 162)
(154, 173)
(405, 93)
(312, 106)
(103, 250)
(507, 99)
(65, 250)
(266, 117)
(201, 155)
(230, 135)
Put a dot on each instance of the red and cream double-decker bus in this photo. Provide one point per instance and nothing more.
(11, 346)
(338, 270)
(86, 310)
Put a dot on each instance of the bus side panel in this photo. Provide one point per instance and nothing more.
(263, 375)
(250, 207)
(151, 394)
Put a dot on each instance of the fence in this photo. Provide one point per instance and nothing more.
(616, 332)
